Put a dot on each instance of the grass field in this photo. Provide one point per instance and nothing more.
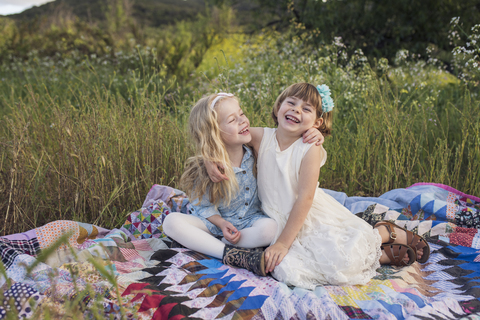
(84, 138)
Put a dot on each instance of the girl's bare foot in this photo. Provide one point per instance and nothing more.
(398, 235)
(397, 254)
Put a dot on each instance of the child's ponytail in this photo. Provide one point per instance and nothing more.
(326, 127)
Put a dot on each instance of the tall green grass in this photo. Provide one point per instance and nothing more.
(84, 141)
(91, 162)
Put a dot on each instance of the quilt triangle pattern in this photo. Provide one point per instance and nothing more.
(206, 279)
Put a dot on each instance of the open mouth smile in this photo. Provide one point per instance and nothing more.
(292, 118)
(244, 131)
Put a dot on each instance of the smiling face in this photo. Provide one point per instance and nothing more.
(234, 125)
(297, 116)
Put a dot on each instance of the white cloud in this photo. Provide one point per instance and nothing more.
(16, 6)
(23, 3)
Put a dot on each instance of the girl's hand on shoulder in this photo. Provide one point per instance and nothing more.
(214, 171)
(274, 255)
(230, 233)
(313, 135)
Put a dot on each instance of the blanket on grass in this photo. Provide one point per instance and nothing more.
(134, 272)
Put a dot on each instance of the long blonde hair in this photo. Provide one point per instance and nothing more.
(209, 146)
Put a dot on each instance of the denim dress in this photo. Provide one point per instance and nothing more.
(245, 207)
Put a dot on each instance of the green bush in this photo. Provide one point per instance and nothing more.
(380, 28)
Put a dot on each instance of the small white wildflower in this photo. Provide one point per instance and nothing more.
(455, 20)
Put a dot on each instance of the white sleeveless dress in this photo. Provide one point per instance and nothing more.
(333, 246)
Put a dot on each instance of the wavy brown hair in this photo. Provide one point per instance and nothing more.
(209, 146)
(306, 92)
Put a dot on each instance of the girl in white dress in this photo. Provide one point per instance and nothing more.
(318, 241)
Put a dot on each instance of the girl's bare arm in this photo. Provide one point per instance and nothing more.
(257, 135)
(308, 179)
(312, 135)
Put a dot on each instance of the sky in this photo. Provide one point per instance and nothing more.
(17, 6)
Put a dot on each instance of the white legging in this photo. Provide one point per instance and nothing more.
(191, 232)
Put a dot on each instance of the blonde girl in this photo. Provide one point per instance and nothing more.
(229, 210)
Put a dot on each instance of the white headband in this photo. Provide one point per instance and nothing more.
(218, 97)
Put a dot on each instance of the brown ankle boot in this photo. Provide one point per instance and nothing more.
(252, 260)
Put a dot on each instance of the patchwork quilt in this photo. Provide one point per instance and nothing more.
(136, 272)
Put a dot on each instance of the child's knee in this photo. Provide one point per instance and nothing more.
(271, 229)
(268, 230)
(171, 223)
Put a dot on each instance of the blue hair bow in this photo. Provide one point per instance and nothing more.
(327, 101)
